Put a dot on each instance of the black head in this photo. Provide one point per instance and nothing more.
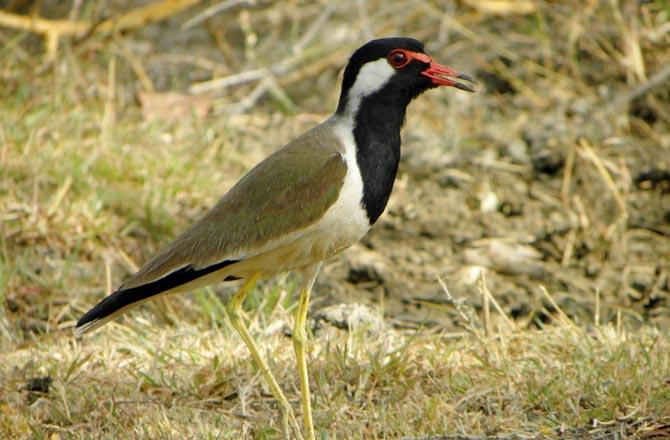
(397, 67)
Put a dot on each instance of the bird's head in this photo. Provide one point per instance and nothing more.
(397, 69)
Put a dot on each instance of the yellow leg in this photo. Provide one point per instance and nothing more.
(234, 307)
(299, 341)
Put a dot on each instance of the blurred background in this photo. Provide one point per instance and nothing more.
(118, 135)
(121, 122)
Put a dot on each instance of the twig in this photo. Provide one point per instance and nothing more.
(228, 81)
(265, 75)
(493, 300)
(137, 67)
(654, 81)
(52, 30)
(365, 20)
(109, 288)
(481, 36)
(109, 114)
(503, 7)
(316, 26)
(74, 10)
(250, 100)
(561, 314)
(131, 266)
(477, 437)
(213, 10)
(605, 175)
(569, 247)
(486, 305)
(567, 177)
(458, 304)
(146, 14)
(596, 315)
(60, 194)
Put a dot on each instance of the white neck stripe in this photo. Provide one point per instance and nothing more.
(371, 77)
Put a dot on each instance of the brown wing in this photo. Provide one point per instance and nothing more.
(288, 191)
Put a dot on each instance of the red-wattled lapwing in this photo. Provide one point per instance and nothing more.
(308, 201)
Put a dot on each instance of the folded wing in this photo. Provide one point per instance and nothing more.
(283, 195)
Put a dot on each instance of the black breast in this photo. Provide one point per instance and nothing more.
(377, 134)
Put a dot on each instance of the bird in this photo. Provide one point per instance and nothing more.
(306, 202)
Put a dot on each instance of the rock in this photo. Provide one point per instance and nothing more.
(426, 158)
(39, 384)
(37, 387)
(366, 266)
(547, 161)
(349, 317)
(277, 327)
(653, 178)
(506, 258)
(518, 150)
(467, 276)
(488, 201)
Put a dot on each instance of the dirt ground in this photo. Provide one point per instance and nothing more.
(502, 208)
(551, 183)
(564, 192)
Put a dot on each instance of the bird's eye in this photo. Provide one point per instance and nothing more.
(398, 59)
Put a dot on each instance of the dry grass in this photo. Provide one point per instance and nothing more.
(189, 382)
(92, 183)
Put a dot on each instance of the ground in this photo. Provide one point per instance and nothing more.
(517, 284)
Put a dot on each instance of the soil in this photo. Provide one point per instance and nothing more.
(547, 177)
(500, 209)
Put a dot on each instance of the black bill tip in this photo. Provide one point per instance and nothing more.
(465, 77)
(466, 87)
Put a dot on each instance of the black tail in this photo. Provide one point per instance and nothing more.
(123, 299)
